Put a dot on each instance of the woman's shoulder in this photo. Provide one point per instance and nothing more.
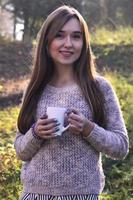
(101, 79)
(104, 84)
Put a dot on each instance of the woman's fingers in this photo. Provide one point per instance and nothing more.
(76, 121)
(47, 121)
(46, 128)
(73, 110)
(75, 117)
(76, 129)
(48, 133)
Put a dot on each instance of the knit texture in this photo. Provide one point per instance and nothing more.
(71, 164)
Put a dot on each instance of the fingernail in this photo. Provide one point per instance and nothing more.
(55, 120)
(57, 129)
(44, 116)
(57, 123)
(54, 134)
(68, 111)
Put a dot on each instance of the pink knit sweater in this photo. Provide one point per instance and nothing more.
(70, 164)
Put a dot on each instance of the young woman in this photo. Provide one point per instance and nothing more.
(67, 166)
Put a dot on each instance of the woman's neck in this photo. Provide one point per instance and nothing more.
(63, 77)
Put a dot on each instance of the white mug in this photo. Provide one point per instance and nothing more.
(59, 114)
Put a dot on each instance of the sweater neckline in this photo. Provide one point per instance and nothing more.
(63, 88)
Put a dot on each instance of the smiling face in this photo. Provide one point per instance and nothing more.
(67, 45)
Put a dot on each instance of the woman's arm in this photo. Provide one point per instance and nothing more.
(112, 141)
(27, 145)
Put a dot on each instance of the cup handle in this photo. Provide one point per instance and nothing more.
(65, 128)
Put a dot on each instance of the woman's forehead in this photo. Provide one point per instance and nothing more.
(72, 25)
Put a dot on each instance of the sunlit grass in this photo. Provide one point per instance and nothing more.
(8, 121)
(124, 92)
(102, 36)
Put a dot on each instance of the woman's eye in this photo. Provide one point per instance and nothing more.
(76, 36)
(59, 35)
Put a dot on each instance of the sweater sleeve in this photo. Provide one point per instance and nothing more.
(112, 141)
(27, 145)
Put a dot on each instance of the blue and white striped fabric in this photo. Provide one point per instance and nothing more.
(65, 197)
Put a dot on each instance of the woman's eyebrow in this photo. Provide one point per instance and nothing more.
(78, 32)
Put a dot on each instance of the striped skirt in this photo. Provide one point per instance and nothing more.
(65, 197)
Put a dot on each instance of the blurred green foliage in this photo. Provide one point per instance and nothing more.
(120, 173)
(122, 35)
(8, 120)
(10, 186)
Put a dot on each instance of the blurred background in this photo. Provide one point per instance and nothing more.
(111, 28)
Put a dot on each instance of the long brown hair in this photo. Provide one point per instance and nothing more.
(43, 70)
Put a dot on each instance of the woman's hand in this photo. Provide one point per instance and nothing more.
(46, 128)
(79, 124)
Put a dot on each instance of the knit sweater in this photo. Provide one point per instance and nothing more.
(71, 164)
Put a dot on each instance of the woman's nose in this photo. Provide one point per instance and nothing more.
(68, 41)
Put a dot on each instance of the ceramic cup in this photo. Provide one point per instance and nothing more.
(59, 114)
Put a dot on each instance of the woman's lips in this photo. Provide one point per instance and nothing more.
(66, 53)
